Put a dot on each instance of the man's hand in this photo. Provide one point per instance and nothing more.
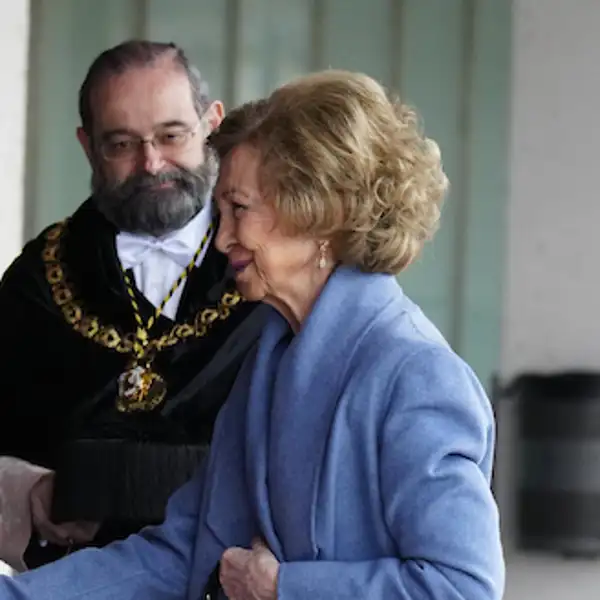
(249, 574)
(65, 534)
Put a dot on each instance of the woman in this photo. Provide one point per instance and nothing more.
(353, 457)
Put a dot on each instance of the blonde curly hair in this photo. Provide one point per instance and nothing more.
(344, 162)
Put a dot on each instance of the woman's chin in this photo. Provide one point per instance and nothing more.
(248, 290)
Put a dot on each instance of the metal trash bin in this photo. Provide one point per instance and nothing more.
(558, 487)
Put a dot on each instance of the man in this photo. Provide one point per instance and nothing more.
(122, 330)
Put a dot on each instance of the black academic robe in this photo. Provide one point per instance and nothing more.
(59, 387)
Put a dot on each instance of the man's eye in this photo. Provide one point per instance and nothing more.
(172, 138)
(121, 144)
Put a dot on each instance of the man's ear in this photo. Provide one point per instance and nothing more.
(214, 115)
(85, 142)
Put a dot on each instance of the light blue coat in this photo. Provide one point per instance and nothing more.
(360, 449)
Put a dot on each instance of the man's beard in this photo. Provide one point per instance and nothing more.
(141, 205)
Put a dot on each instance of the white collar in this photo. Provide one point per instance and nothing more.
(180, 245)
(193, 232)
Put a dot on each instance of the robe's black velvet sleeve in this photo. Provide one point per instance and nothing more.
(32, 330)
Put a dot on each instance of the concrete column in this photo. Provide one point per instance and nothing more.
(14, 36)
(552, 286)
(14, 33)
(552, 304)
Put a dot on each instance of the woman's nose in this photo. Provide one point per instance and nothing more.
(224, 239)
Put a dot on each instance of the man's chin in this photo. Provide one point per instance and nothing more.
(150, 216)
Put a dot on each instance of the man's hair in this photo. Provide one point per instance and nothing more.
(131, 54)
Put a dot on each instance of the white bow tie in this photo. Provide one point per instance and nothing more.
(133, 249)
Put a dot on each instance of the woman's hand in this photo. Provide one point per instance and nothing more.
(249, 574)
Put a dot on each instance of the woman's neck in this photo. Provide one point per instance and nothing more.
(296, 303)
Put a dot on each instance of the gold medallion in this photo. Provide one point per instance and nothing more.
(140, 389)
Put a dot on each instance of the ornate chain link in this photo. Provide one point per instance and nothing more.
(91, 327)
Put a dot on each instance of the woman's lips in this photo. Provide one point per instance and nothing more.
(239, 265)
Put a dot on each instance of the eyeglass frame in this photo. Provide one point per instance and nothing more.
(139, 142)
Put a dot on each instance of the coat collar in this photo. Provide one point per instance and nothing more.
(296, 385)
(271, 436)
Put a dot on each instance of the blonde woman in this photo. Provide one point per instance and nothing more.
(353, 457)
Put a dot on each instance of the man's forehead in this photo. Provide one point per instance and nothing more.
(142, 98)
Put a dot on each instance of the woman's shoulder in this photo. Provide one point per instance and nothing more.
(400, 331)
(407, 351)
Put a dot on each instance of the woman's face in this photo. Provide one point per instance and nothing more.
(269, 265)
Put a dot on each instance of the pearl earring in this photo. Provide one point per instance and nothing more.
(323, 257)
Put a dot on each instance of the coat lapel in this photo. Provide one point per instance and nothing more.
(266, 464)
(274, 343)
(278, 418)
(304, 388)
(227, 513)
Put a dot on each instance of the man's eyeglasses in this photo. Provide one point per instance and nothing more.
(169, 143)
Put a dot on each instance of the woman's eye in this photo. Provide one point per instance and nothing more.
(238, 208)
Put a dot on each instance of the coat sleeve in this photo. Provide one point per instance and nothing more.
(436, 448)
(152, 565)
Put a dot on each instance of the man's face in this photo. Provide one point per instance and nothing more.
(152, 170)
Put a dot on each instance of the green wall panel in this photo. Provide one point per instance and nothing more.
(487, 188)
(430, 73)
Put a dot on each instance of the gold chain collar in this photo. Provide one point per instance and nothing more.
(91, 327)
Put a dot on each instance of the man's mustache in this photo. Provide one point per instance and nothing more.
(143, 182)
